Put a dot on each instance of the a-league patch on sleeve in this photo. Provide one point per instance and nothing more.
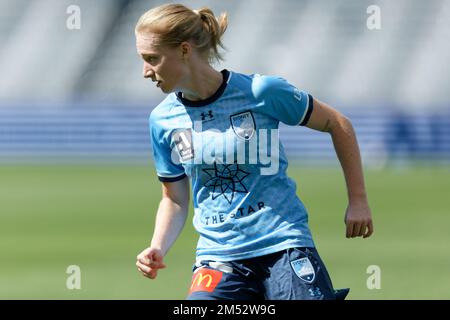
(184, 143)
(205, 279)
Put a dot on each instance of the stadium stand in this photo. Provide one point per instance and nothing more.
(79, 94)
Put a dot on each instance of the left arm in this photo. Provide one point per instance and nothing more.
(358, 217)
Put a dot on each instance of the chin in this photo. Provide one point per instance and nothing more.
(167, 90)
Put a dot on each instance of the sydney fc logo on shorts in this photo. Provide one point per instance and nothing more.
(243, 125)
(304, 269)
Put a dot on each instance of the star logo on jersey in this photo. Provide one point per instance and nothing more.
(225, 180)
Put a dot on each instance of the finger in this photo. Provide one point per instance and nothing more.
(147, 272)
(369, 230)
(144, 256)
(156, 256)
(143, 273)
(359, 229)
(156, 260)
(356, 229)
(153, 274)
(157, 265)
(152, 263)
(144, 260)
(362, 231)
(144, 268)
(349, 229)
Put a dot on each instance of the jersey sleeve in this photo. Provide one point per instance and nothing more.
(166, 169)
(284, 101)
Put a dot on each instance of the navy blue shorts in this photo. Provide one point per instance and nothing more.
(291, 274)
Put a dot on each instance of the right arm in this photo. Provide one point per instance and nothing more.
(170, 219)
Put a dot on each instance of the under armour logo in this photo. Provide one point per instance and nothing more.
(205, 115)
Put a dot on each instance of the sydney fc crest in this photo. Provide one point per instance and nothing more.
(304, 269)
(243, 125)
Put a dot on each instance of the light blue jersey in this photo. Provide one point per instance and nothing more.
(245, 205)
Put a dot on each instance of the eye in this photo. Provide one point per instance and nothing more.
(151, 59)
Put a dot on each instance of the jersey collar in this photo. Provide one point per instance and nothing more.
(211, 99)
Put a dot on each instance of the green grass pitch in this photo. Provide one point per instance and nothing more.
(101, 217)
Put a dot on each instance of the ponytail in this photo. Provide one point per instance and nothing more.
(215, 28)
(175, 23)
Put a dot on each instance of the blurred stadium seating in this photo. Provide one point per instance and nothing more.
(79, 94)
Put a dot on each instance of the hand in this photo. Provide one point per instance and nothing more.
(149, 261)
(358, 220)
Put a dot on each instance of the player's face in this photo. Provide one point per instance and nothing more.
(162, 65)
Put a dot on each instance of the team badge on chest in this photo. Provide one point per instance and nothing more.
(243, 125)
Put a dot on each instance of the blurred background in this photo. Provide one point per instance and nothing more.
(77, 182)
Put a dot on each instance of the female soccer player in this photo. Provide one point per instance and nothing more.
(219, 129)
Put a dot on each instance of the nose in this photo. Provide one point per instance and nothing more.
(148, 71)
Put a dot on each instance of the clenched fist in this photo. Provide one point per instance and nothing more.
(149, 261)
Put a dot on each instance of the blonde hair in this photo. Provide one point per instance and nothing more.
(175, 23)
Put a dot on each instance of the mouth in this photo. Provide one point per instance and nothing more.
(158, 83)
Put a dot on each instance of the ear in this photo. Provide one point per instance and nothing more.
(186, 50)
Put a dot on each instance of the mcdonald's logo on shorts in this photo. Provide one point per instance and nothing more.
(205, 279)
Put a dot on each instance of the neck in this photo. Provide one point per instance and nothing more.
(202, 82)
